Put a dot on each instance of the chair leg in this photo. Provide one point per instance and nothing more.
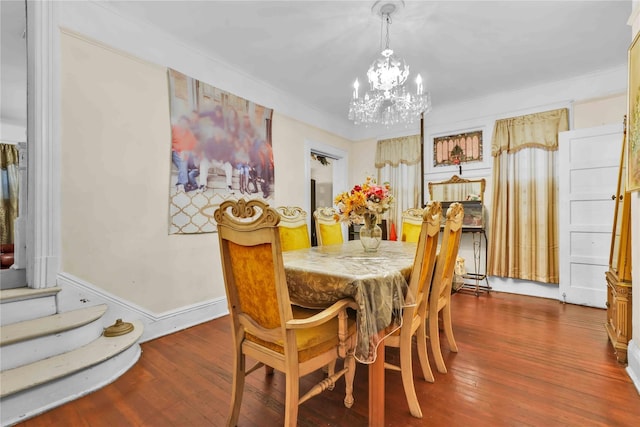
(292, 395)
(448, 327)
(421, 343)
(238, 387)
(434, 337)
(330, 369)
(350, 364)
(406, 371)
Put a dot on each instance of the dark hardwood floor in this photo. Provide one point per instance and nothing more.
(522, 361)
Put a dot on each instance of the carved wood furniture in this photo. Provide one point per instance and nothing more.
(440, 295)
(619, 274)
(265, 325)
(376, 281)
(414, 318)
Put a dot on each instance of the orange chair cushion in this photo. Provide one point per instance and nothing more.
(411, 232)
(312, 341)
(331, 234)
(254, 278)
(294, 238)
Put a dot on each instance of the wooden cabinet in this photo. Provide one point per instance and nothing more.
(619, 275)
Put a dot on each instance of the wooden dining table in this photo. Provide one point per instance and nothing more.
(378, 283)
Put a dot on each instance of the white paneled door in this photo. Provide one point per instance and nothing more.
(589, 160)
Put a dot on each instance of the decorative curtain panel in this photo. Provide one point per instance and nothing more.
(524, 219)
(8, 191)
(398, 162)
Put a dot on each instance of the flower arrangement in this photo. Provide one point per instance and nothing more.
(368, 198)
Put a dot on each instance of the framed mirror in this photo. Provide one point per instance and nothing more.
(469, 192)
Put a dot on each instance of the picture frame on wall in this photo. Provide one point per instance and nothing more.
(633, 117)
(458, 148)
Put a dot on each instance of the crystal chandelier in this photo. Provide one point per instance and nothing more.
(387, 101)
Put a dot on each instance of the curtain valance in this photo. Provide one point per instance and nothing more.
(394, 151)
(8, 155)
(539, 130)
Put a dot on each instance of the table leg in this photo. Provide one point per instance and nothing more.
(376, 389)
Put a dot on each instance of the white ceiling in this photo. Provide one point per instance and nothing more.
(313, 50)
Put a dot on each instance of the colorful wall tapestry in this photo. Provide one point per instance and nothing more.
(456, 149)
(220, 148)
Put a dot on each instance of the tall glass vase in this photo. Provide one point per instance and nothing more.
(370, 233)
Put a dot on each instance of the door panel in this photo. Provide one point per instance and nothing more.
(589, 160)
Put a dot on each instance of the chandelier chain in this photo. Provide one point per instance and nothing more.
(388, 38)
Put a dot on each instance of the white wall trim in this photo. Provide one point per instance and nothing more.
(633, 363)
(77, 293)
(523, 287)
(43, 206)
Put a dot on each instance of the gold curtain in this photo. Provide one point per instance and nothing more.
(398, 162)
(524, 219)
(8, 191)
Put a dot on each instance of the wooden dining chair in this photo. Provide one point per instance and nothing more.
(328, 228)
(411, 224)
(294, 233)
(414, 317)
(440, 295)
(265, 326)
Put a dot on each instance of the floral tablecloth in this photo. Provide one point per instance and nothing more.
(378, 282)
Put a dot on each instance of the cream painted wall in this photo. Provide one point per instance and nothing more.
(116, 144)
(289, 136)
(600, 111)
(115, 181)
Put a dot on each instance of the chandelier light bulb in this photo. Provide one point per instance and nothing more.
(419, 88)
(356, 85)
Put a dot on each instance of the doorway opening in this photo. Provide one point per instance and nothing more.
(325, 180)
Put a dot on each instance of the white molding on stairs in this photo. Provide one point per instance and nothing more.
(78, 292)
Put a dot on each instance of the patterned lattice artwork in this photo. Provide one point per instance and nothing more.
(192, 212)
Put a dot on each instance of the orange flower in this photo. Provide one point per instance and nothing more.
(362, 199)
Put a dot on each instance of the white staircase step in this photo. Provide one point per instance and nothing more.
(30, 329)
(24, 303)
(31, 340)
(43, 371)
(69, 376)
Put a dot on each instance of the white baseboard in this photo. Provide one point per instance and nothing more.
(523, 287)
(633, 363)
(77, 293)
